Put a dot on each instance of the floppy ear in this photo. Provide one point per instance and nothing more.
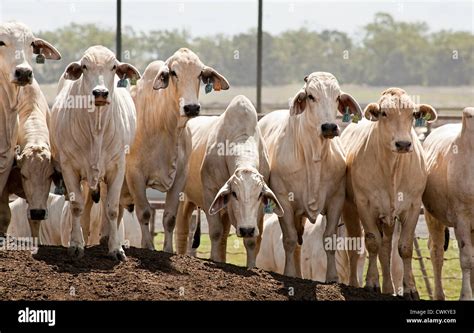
(219, 82)
(268, 197)
(372, 111)
(346, 100)
(41, 46)
(73, 71)
(162, 79)
(127, 70)
(427, 112)
(298, 104)
(221, 199)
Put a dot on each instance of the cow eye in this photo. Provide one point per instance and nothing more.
(114, 68)
(311, 97)
(234, 195)
(384, 114)
(2, 43)
(84, 67)
(173, 73)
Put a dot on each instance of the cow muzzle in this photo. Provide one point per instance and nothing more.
(191, 110)
(23, 76)
(100, 97)
(38, 214)
(403, 146)
(246, 232)
(329, 130)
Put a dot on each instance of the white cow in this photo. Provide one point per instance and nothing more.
(166, 96)
(56, 230)
(92, 126)
(271, 256)
(22, 102)
(449, 197)
(228, 170)
(386, 177)
(307, 163)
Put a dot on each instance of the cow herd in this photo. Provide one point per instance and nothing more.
(113, 133)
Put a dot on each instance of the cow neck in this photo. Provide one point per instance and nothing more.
(312, 145)
(9, 102)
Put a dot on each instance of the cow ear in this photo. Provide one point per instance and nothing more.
(162, 79)
(221, 199)
(372, 112)
(347, 101)
(427, 112)
(41, 46)
(298, 105)
(127, 71)
(269, 199)
(219, 82)
(73, 71)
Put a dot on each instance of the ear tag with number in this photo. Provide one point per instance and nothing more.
(268, 207)
(40, 59)
(122, 83)
(419, 122)
(208, 87)
(347, 116)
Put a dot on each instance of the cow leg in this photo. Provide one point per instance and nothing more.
(373, 243)
(405, 248)
(290, 238)
(333, 217)
(5, 213)
(472, 256)
(86, 216)
(183, 219)
(462, 231)
(354, 231)
(436, 245)
(76, 206)
(385, 255)
(225, 235)
(216, 231)
(396, 267)
(137, 187)
(260, 218)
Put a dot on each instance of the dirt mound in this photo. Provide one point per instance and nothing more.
(151, 275)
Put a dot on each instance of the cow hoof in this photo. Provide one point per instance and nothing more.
(375, 289)
(75, 252)
(104, 240)
(411, 296)
(118, 255)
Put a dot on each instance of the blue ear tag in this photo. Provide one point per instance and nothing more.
(268, 207)
(122, 83)
(40, 59)
(347, 116)
(208, 87)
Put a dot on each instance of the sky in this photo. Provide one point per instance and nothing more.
(232, 17)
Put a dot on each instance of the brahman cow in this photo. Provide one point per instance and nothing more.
(307, 164)
(92, 125)
(228, 168)
(165, 98)
(23, 111)
(449, 197)
(271, 256)
(386, 177)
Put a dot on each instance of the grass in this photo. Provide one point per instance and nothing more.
(451, 269)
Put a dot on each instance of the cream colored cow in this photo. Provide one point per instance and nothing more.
(92, 125)
(307, 163)
(386, 177)
(165, 98)
(23, 111)
(228, 170)
(449, 197)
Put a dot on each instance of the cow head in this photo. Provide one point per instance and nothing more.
(321, 98)
(468, 119)
(182, 73)
(394, 113)
(97, 70)
(36, 175)
(245, 191)
(17, 45)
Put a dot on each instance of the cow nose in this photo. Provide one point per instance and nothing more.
(23, 75)
(329, 130)
(246, 232)
(37, 214)
(192, 110)
(100, 93)
(403, 146)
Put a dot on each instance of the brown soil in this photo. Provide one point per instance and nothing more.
(152, 275)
